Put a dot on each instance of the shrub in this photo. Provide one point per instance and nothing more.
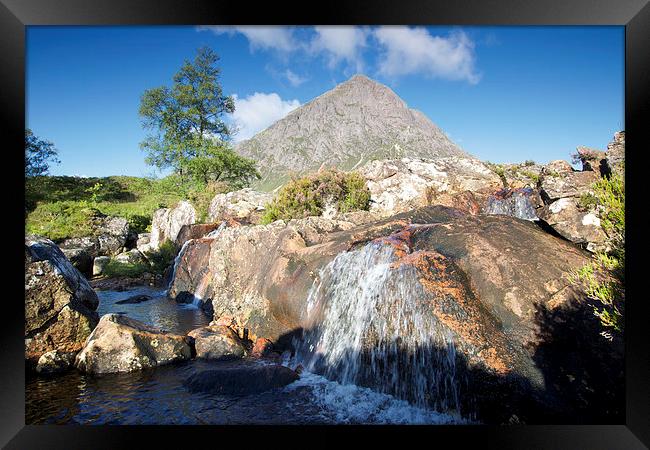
(308, 196)
(500, 171)
(603, 279)
(163, 257)
(529, 162)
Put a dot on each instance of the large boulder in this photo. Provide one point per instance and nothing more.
(245, 205)
(167, 223)
(403, 184)
(122, 344)
(240, 380)
(213, 270)
(261, 275)
(217, 342)
(482, 280)
(59, 303)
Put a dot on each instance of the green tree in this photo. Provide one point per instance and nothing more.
(38, 155)
(219, 163)
(187, 115)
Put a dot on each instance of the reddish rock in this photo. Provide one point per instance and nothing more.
(262, 347)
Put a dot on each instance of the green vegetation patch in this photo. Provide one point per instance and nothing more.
(603, 279)
(308, 196)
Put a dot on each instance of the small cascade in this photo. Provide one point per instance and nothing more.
(514, 203)
(214, 233)
(367, 323)
(177, 261)
(203, 284)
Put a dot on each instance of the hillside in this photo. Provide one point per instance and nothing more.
(357, 121)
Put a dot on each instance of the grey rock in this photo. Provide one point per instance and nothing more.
(241, 380)
(167, 223)
(55, 361)
(99, 264)
(122, 344)
(80, 259)
(59, 302)
(217, 342)
(243, 205)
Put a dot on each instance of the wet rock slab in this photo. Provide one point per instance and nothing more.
(241, 380)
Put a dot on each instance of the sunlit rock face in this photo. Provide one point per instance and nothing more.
(403, 184)
(167, 223)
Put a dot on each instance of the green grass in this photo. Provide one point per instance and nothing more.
(115, 269)
(63, 207)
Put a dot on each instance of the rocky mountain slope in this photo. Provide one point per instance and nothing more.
(357, 121)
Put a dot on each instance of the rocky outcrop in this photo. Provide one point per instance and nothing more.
(561, 188)
(261, 275)
(122, 344)
(616, 153)
(109, 237)
(59, 303)
(217, 342)
(245, 205)
(213, 270)
(404, 184)
(167, 223)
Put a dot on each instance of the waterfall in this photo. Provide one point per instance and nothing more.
(177, 261)
(514, 203)
(202, 286)
(367, 323)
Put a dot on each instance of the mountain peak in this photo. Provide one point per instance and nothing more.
(357, 121)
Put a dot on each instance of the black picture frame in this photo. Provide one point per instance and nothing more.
(15, 15)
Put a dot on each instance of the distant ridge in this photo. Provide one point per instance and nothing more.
(357, 121)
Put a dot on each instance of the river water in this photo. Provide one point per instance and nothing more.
(158, 396)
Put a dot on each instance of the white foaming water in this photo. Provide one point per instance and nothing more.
(369, 324)
(351, 404)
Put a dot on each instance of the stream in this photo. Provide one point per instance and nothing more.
(158, 396)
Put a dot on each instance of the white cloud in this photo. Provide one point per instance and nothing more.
(261, 37)
(413, 50)
(294, 79)
(256, 112)
(341, 43)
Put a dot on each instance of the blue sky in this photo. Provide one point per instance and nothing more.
(504, 94)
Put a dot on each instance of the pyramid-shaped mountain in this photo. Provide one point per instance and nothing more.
(357, 121)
